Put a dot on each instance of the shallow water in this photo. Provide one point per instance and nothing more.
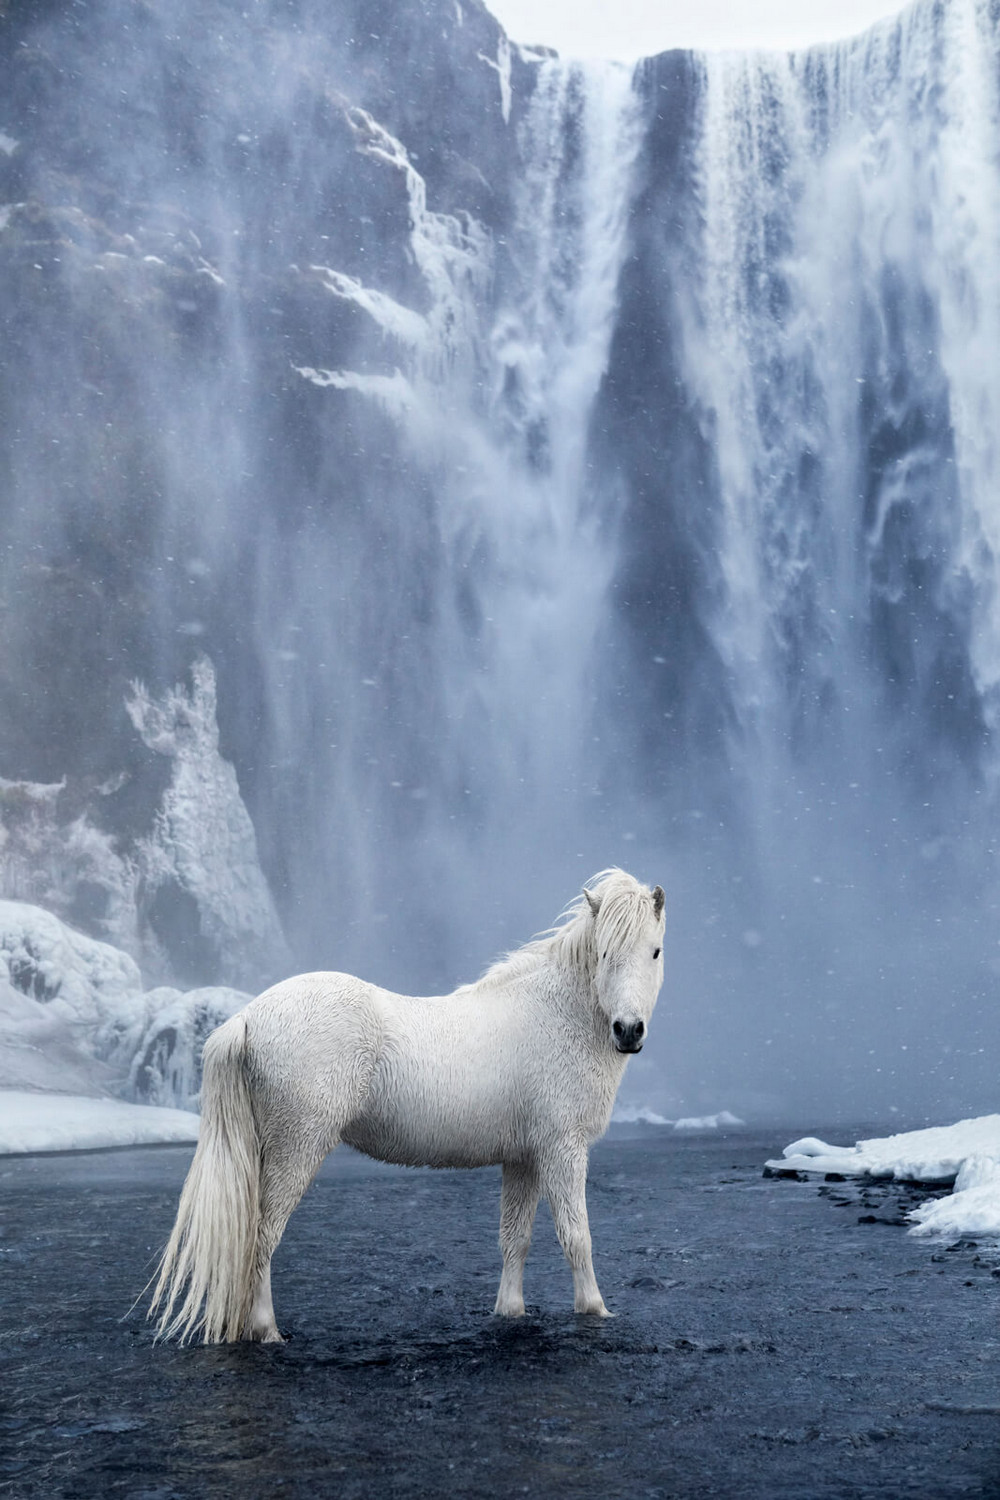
(766, 1342)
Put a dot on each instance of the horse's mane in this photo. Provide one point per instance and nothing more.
(622, 912)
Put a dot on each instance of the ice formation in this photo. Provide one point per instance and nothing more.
(74, 1016)
(203, 842)
(186, 898)
(66, 864)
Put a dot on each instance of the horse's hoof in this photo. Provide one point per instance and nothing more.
(266, 1336)
(597, 1311)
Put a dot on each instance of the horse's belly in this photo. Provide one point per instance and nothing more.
(415, 1131)
(410, 1148)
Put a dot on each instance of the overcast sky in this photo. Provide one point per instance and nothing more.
(637, 28)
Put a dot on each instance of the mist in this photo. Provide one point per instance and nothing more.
(513, 468)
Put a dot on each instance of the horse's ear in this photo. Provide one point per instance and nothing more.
(594, 902)
(658, 899)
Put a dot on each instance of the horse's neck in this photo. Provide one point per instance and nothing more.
(572, 989)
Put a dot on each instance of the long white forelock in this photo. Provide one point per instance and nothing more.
(623, 911)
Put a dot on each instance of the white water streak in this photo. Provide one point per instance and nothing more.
(826, 178)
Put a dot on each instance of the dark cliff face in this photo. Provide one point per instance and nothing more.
(649, 435)
(176, 172)
(176, 178)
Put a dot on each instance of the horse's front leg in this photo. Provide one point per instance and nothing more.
(518, 1202)
(564, 1182)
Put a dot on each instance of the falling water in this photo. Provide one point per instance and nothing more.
(838, 344)
(576, 468)
(490, 803)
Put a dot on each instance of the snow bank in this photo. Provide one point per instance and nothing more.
(636, 1114)
(62, 1122)
(933, 1155)
(967, 1154)
(973, 1208)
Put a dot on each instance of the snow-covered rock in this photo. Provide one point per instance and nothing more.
(182, 891)
(966, 1153)
(203, 843)
(74, 1016)
(62, 984)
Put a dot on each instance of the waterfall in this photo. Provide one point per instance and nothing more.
(851, 235)
(481, 772)
(564, 467)
(836, 346)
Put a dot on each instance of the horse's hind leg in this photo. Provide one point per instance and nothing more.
(288, 1165)
(518, 1202)
(308, 1089)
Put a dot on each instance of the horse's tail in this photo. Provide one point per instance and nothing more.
(205, 1281)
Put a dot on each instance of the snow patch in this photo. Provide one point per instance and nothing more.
(8, 145)
(452, 253)
(973, 1208)
(932, 1155)
(708, 1122)
(204, 269)
(534, 54)
(966, 1153)
(64, 1122)
(635, 1114)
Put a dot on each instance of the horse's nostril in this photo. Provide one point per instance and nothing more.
(639, 1028)
(618, 1029)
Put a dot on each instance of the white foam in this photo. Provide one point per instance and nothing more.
(392, 392)
(394, 318)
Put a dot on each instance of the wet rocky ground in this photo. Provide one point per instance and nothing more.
(767, 1343)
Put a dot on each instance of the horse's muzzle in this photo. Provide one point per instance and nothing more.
(628, 1035)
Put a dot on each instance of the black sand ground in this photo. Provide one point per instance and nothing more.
(766, 1343)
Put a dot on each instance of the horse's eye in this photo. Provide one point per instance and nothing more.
(604, 954)
(656, 952)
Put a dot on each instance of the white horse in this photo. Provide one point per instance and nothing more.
(520, 1068)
